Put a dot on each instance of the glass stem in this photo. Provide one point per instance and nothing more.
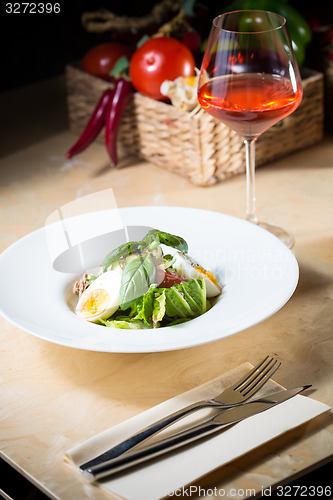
(251, 212)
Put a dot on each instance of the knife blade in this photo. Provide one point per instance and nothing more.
(220, 420)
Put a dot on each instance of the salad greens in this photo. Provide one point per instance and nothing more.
(147, 300)
(140, 270)
(150, 242)
(137, 276)
(163, 306)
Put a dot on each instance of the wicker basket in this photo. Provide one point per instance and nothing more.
(199, 148)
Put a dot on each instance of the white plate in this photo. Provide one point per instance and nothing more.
(258, 274)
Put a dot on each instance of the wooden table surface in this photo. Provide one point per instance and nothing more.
(54, 397)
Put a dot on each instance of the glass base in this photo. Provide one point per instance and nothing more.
(286, 237)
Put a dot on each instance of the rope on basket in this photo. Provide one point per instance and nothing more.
(103, 20)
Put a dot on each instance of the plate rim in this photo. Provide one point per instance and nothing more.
(158, 333)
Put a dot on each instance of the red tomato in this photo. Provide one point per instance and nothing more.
(100, 60)
(159, 59)
(171, 279)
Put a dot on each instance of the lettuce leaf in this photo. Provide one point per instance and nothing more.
(187, 299)
(163, 307)
(159, 307)
(142, 308)
(124, 323)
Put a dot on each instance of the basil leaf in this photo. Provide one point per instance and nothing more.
(152, 240)
(137, 276)
(156, 237)
(121, 251)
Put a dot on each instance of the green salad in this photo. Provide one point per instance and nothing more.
(140, 286)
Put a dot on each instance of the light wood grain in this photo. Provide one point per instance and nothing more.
(53, 397)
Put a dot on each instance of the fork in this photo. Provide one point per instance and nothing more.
(234, 395)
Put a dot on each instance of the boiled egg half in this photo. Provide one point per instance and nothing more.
(188, 268)
(102, 298)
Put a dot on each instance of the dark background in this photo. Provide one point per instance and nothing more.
(38, 46)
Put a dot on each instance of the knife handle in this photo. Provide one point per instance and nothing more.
(146, 433)
(110, 462)
(144, 453)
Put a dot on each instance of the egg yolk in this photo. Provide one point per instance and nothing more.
(208, 275)
(95, 303)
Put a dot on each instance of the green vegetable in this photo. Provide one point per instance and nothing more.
(168, 261)
(156, 237)
(139, 273)
(150, 242)
(142, 303)
(90, 279)
(299, 29)
(119, 252)
(143, 307)
(137, 276)
(186, 300)
(124, 323)
(163, 307)
(159, 308)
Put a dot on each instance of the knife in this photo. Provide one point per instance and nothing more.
(225, 418)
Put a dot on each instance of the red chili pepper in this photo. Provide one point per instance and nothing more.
(94, 125)
(115, 112)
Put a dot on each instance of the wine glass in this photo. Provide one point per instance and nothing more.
(249, 80)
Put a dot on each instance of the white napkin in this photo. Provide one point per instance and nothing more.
(157, 478)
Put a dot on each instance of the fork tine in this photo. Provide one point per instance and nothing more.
(249, 375)
(259, 373)
(258, 384)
